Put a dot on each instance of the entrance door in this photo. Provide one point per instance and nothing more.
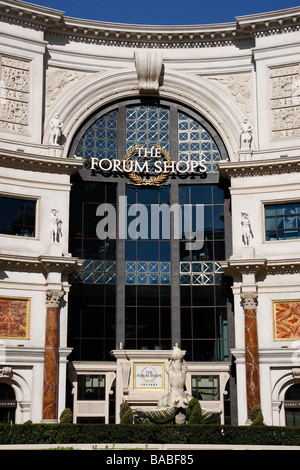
(8, 404)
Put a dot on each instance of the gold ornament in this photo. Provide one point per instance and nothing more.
(143, 180)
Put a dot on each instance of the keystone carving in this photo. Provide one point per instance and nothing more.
(148, 66)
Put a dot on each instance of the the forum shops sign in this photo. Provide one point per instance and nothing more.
(148, 166)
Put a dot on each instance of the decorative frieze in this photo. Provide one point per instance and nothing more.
(58, 80)
(285, 101)
(14, 94)
(239, 85)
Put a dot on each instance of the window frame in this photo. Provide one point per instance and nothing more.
(206, 376)
(24, 197)
(101, 391)
(277, 203)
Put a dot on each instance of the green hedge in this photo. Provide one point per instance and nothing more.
(147, 434)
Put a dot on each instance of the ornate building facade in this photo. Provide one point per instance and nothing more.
(101, 124)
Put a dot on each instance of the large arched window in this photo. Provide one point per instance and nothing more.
(153, 286)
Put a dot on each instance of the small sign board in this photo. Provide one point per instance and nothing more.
(148, 376)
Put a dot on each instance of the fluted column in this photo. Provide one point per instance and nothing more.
(51, 355)
(249, 302)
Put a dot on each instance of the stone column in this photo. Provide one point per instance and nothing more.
(249, 302)
(51, 356)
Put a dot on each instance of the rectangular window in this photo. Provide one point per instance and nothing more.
(282, 221)
(91, 387)
(17, 216)
(205, 387)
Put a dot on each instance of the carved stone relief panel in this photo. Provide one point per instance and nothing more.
(14, 94)
(285, 101)
(239, 85)
(57, 80)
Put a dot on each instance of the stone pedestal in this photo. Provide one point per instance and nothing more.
(249, 301)
(51, 356)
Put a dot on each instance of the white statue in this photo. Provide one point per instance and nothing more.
(55, 226)
(176, 368)
(55, 133)
(247, 233)
(246, 135)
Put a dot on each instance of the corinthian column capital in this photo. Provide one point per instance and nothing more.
(249, 300)
(53, 298)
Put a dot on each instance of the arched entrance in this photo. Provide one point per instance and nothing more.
(8, 404)
(148, 286)
(292, 405)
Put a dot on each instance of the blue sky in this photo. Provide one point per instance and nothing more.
(164, 12)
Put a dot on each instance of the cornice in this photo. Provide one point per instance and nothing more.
(238, 267)
(274, 166)
(30, 162)
(243, 29)
(29, 15)
(38, 264)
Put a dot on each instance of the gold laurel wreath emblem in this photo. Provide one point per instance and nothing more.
(139, 180)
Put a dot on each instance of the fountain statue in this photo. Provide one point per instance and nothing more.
(177, 400)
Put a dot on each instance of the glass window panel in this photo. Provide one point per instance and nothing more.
(282, 221)
(203, 323)
(218, 195)
(186, 323)
(130, 322)
(201, 194)
(184, 194)
(147, 295)
(130, 250)
(93, 322)
(148, 250)
(205, 387)
(110, 322)
(130, 295)
(165, 322)
(164, 248)
(165, 295)
(17, 217)
(203, 295)
(147, 322)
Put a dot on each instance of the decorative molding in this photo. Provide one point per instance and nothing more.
(272, 166)
(249, 300)
(243, 30)
(24, 161)
(238, 267)
(53, 298)
(38, 264)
